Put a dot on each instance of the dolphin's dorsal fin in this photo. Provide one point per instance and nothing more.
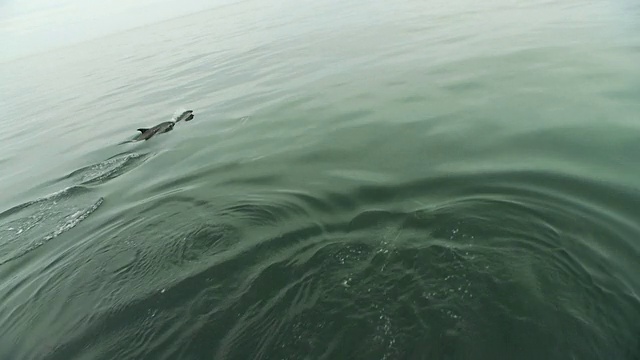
(142, 130)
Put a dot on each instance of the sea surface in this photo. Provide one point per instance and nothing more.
(362, 180)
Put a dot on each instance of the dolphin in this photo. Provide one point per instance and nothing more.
(148, 133)
(163, 127)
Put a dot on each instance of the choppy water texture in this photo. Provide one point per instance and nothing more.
(362, 180)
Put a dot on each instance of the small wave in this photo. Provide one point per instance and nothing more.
(106, 170)
(431, 281)
(167, 239)
(374, 272)
(75, 218)
(32, 224)
(28, 226)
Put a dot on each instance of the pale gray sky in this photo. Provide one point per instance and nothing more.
(32, 26)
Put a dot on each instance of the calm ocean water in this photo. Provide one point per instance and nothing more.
(362, 180)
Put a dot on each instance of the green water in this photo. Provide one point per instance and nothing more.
(362, 180)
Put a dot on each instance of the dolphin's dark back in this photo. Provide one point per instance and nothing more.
(146, 134)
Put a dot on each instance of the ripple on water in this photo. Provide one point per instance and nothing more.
(139, 270)
(30, 225)
(497, 272)
(166, 237)
(107, 169)
(483, 275)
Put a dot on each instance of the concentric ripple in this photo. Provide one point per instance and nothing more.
(506, 271)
